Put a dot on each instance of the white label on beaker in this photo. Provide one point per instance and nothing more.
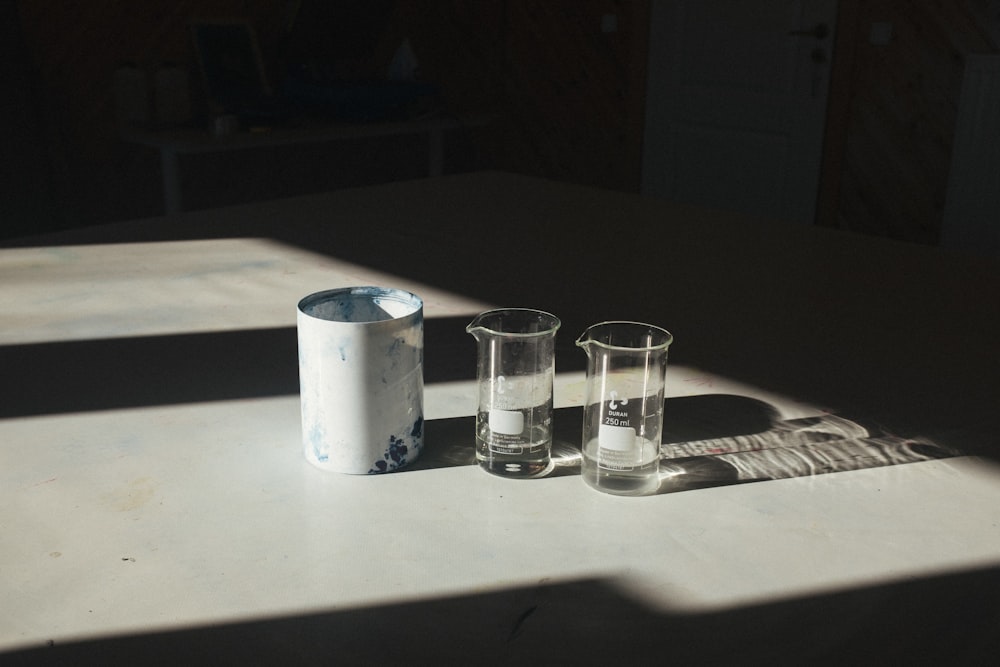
(507, 422)
(617, 438)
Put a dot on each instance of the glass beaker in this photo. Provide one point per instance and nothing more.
(515, 369)
(623, 406)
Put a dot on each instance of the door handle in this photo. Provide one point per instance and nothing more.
(820, 31)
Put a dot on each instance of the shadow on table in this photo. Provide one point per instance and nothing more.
(138, 371)
(709, 440)
(713, 440)
(789, 448)
(946, 619)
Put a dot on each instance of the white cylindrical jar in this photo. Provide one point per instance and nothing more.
(361, 378)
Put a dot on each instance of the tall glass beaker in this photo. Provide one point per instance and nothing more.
(515, 369)
(623, 406)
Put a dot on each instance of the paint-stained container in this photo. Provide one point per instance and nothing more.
(361, 378)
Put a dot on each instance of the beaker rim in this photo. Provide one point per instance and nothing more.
(545, 323)
(338, 305)
(633, 333)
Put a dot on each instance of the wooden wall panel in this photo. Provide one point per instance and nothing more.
(570, 96)
(75, 48)
(902, 116)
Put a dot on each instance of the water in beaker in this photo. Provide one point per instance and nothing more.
(515, 370)
(623, 406)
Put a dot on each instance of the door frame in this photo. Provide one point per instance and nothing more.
(839, 99)
(838, 113)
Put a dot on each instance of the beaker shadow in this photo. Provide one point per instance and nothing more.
(713, 440)
(794, 453)
(451, 442)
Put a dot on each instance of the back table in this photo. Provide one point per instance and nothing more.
(830, 488)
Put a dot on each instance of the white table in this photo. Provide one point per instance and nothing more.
(155, 506)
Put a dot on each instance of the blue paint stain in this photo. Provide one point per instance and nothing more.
(396, 454)
(394, 457)
(316, 440)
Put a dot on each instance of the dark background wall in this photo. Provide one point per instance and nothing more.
(894, 112)
(569, 99)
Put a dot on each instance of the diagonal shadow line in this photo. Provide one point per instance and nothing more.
(77, 376)
(931, 620)
(420, 248)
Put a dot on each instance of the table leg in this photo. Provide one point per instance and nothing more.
(171, 181)
(435, 152)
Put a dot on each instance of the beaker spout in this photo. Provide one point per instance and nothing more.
(475, 327)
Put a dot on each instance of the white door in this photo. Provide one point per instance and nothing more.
(736, 103)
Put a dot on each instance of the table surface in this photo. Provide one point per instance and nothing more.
(834, 397)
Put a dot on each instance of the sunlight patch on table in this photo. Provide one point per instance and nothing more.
(62, 293)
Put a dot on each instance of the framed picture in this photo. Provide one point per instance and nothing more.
(230, 63)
